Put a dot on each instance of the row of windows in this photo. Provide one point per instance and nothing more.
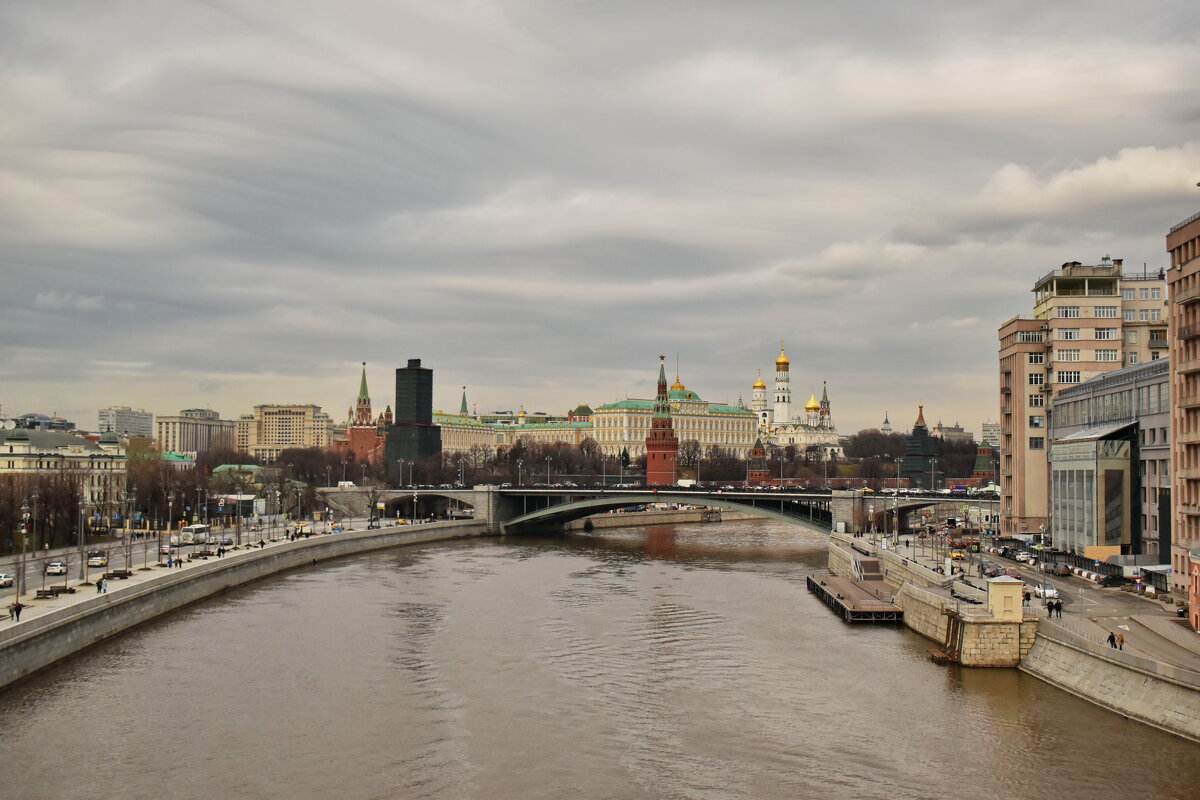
(1062, 376)
(1142, 293)
(1125, 404)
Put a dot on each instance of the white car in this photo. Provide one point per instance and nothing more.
(1045, 590)
(56, 568)
(6, 580)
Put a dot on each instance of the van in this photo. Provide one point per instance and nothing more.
(194, 534)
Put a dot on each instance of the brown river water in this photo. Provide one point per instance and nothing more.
(681, 661)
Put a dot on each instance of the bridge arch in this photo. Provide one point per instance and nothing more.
(806, 514)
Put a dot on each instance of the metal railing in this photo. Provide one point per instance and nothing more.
(1186, 222)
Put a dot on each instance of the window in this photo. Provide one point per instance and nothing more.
(1144, 314)
(1107, 355)
(1037, 421)
(1106, 312)
(1130, 315)
(1037, 400)
(1029, 336)
(1037, 443)
(1068, 334)
(1156, 315)
(1131, 337)
(1066, 355)
(1144, 293)
(1036, 379)
(1156, 294)
(1128, 294)
(1037, 358)
(1106, 333)
(1068, 376)
(1068, 312)
(1131, 358)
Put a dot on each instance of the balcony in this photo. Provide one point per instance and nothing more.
(1189, 438)
(1005, 390)
(1188, 508)
(1188, 401)
(1189, 473)
(1187, 367)
(1161, 344)
(1185, 332)
(1006, 409)
(1188, 296)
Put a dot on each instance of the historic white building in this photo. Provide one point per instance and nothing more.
(780, 428)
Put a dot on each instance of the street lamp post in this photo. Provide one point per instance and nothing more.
(401, 471)
(547, 470)
(364, 474)
(24, 536)
(82, 557)
(328, 476)
(519, 463)
(933, 474)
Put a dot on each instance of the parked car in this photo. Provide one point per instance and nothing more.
(56, 568)
(6, 580)
(1012, 573)
(1112, 580)
(1045, 590)
(1023, 555)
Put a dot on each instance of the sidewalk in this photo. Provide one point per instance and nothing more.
(34, 608)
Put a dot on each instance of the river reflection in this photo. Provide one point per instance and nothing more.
(666, 662)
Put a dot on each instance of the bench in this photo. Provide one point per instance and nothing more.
(46, 594)
(118, 573)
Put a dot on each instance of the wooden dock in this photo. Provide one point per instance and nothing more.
(856, 601)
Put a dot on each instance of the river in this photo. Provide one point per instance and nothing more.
(664, 662)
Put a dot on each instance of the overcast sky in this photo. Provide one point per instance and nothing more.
(235, 202)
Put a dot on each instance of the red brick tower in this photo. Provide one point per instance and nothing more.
(757, 473)
(662, 447)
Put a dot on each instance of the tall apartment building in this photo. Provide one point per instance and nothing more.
(127, 421)
(271, 429)
(1183, 243)
(1087, 320)
(990, 433)
(194, 432)
(413, 434)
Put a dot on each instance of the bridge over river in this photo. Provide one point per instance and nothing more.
(527, 508)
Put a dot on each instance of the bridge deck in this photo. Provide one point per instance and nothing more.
(856, 601)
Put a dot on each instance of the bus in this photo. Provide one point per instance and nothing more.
(192, 534)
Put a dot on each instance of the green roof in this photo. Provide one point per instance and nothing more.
(636, 405)
(177, 457)
(237, 468)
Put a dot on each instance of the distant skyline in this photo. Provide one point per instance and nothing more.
(215, 204)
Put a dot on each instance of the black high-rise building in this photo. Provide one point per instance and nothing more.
(919, 463)
(413, 434)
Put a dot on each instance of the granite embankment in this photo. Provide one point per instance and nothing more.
(83, 620)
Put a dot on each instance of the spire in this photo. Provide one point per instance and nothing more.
(362, 386)
(885, 419)
(462, 409)
(662, 401)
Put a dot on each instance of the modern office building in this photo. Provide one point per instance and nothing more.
(1087, 321)
(194, 431)
(990, 433)
(126, 421)
(271, 429)
(1183, 279)
(1110, 484)
(413, 435)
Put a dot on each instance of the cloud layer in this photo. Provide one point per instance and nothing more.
(219, 203)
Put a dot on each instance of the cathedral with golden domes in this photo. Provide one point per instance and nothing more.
(777, 424)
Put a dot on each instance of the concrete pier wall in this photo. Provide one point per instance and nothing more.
(651, 518)
(1154, 694)
(44, 640)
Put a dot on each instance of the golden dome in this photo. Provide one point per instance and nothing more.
(677, 386)
(783, 360)
(758, 384)
(812, 404)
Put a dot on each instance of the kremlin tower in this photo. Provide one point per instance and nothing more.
(662, 446)
(364, 441)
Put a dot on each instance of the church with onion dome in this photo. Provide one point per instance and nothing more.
(779, 427)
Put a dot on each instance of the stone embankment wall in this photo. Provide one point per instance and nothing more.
(924, 612)
(1155, 694)
(44, 640)
(995, 643)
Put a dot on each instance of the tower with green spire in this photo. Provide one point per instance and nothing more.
(662, 446)
(462, 409)
(362, 408)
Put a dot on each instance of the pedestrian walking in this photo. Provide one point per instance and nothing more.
(16, 610)
(1026, 597)
(1058, 608)
(99, 585)
(1112, 640)
(1120, 641)
(12, 611)
(1049, 609)
(170, 562)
